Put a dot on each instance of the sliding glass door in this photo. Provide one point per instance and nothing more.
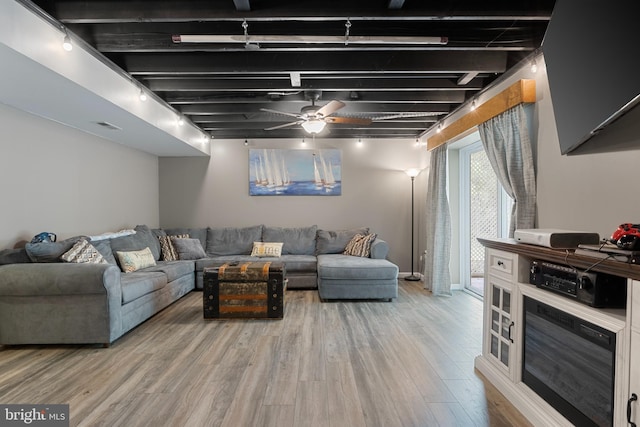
(484, 212)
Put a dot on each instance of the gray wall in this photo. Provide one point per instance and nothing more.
(55, 178)
(375, 192)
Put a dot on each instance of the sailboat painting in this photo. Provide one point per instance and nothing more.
(281, 172)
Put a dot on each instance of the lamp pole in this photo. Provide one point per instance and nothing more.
(412, 174)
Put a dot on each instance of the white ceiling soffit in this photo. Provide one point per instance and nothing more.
(79, 90)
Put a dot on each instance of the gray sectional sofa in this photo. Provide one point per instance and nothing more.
(46, 301)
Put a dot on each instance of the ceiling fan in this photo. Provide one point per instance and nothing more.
(313, 119)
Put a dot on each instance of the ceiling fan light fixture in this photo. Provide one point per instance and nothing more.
(313, 126)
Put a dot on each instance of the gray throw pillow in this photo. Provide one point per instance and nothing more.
(104, 247)
(194, 233)
(188, 248)
(335, 242)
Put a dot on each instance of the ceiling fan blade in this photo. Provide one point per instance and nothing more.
(285, 125)
(266, 110)
(330, 108)
(407, 115)
(349, 120)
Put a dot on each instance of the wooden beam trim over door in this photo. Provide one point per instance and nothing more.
(521, 91)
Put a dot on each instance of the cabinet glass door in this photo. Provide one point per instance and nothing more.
(500, 333)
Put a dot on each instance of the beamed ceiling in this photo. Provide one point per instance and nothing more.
(369, 54)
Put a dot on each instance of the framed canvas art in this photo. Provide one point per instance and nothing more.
(282, 172)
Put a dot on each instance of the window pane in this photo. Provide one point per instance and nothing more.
(496, 296)
(504, 353)
(494, 345)
(506, 301)
(495, 321)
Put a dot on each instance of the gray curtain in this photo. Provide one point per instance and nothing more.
(506, 141)
(436, 269)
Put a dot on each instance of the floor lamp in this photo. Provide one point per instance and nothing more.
(412, 174)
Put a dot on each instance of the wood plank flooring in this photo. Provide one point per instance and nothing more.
(404, 363)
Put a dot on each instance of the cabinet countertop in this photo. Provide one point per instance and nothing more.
(564, 256)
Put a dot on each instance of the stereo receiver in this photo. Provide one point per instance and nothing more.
(588, 287)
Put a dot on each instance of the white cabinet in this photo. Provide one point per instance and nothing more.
(507, 267)
(500, 312)
(633, 402)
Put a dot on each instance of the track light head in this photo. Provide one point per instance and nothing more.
(66, 43)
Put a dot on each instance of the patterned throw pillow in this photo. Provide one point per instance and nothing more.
(360, 245)
(135, 260)
(169, 252)
(267, 249)
(83, 252)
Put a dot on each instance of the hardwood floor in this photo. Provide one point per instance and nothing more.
(405, 363)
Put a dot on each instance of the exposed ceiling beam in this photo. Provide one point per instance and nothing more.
(347, 62)
(299, 99)
(395, 4)
(359, 109)
(242, 5)
(467, 78)
(283, 85)
(83, 11)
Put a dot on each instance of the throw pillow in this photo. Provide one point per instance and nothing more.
(50, 251)
(135, 260)
(188, 248)
(267, 249)
(360, 245)
(167, 249)
(83, 252)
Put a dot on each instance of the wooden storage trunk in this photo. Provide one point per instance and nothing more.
(244, 290)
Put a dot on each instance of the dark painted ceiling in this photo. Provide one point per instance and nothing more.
(399, 86)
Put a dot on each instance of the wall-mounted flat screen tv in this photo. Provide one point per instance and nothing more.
(592, 52)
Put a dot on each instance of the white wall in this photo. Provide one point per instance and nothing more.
(375, 192)
(58, 179)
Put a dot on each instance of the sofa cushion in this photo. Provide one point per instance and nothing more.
(335, 242)
(135, 285)
(188, 248)
(293, 263)
(83, 252)
(360, 245)
(50, 251)
(296, 263)
(14, 256)
(144, 238)
(296, 241)
(172, 269)
(232, 240)
(131, 261)
(193, 233)
(355, 268)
